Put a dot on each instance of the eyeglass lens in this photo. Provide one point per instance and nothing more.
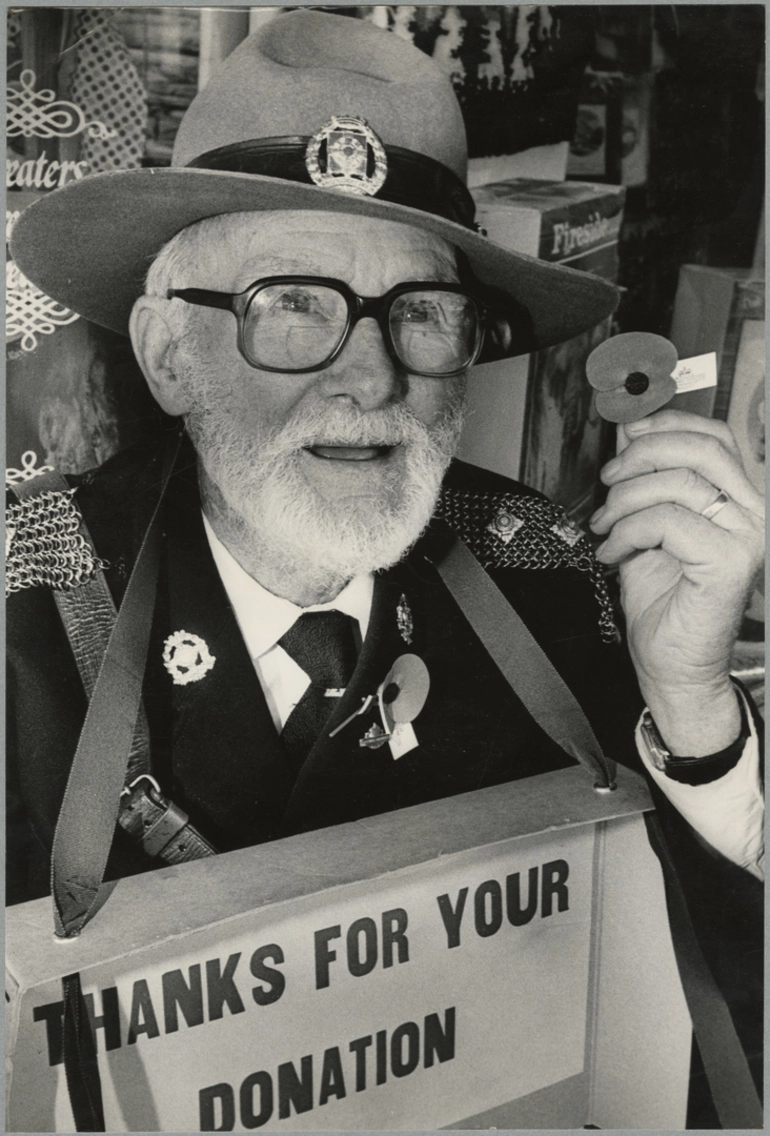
(434, 331)
(293, 326)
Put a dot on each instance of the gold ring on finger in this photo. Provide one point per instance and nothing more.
(718, 504)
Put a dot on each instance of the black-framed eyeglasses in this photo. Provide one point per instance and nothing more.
(297, 324)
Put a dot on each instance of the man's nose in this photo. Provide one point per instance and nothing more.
(364, 372)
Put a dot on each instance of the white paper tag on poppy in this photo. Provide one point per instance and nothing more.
(402, 740)
(696, 373)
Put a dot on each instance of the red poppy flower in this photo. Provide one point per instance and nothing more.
(632, 375)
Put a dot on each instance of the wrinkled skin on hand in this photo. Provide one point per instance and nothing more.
(685, 579)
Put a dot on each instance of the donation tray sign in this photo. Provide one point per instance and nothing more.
(441, 966)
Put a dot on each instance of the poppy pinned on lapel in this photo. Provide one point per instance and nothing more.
(401, 696)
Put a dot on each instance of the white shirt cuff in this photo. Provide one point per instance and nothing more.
(727, 813)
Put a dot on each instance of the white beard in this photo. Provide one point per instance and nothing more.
(262, 484)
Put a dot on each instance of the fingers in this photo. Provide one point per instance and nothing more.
(681, 486)
(702, 452)
(684, 535)
(681, 420)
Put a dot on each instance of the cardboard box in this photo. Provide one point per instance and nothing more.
(498, 959)
(575, 223)
(532, 418)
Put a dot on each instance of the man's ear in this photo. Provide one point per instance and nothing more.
(153, 342)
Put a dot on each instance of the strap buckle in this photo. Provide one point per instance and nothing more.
(128, 789)
(159, 826)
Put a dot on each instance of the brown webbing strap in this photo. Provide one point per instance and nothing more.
(88, 615)
(89, 811)
(539, 686)
(112, 732)
(543, 692)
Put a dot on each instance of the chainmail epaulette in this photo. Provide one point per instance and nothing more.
(43, 545)
(504, 530)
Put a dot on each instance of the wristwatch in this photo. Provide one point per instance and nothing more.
(692, 770)
(657, 752)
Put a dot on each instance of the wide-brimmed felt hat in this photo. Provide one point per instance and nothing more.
(314, 111)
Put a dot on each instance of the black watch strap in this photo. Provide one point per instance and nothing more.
(695, 770)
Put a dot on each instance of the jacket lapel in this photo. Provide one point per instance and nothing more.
(224, 748)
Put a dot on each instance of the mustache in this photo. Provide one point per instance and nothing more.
(385, 426)
(209, 423)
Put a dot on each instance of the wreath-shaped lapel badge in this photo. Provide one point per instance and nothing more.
(632, 374)
(186, 657)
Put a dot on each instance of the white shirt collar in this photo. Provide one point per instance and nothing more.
(263, 617)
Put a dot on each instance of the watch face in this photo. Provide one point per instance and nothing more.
(653, 742)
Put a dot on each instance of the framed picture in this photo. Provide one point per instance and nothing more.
(564, 436)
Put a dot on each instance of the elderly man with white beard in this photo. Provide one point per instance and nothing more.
(314, 480)
(316, 298)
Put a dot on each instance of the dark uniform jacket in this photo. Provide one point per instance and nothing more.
(215, 751)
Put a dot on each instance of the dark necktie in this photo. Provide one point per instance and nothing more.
(322, 644)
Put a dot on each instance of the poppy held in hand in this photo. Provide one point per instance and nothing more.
(632, 375)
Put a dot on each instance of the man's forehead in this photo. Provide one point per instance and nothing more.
(325, 244)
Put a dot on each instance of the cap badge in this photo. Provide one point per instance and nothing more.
(346, 154)
(186, 657)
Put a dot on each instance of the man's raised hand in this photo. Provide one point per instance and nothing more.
(685, 578)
